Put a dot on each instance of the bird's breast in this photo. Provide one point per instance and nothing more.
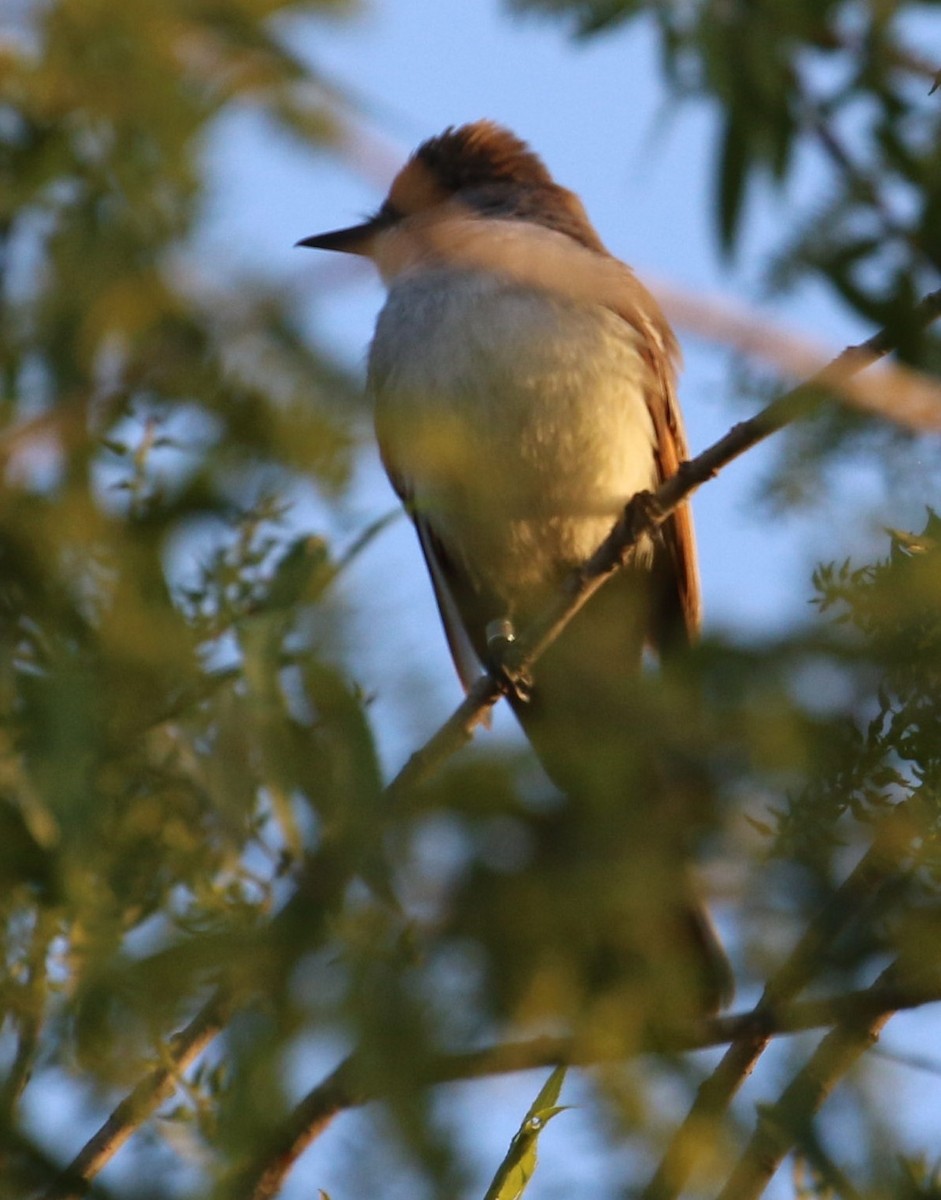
(514, 420)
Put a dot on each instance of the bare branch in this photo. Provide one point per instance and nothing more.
(320, 886)
(779, 1126)
(895, 392)
(263, 1179)
(28, 1015)
(716, 1092)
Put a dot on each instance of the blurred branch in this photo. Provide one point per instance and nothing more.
(338, 1091)
(904, 58)
(262, 1180)
(874, 184)
(717, 1091)
(25, 1166)
(147, 1096)
(780, 1125)
(915, 1062)
(896, 393)
(641, 518)
(29, 1018)
(322, 882)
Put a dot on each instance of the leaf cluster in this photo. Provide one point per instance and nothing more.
(171, 734)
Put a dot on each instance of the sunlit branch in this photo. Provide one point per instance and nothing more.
(897, 393)
(145, 1099)
(263, 1179)
(320, 887)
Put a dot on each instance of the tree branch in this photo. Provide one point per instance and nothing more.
(897, 392)
(183, 1049)
(262, 1179)
(320, 887)
(780, 1125)
(28, 1015)
(338, 1091)
(715, 1094)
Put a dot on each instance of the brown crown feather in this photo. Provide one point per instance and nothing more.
(496, 174)
(481, 153)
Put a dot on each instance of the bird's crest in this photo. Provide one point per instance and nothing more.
(463, 159)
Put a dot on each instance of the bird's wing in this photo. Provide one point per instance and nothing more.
(681, 600)
(444, 579)
(466, 661)
(678, 536)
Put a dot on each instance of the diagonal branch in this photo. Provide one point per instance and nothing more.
(715, 1094)
(145, 1099)
(896, 392)
(780, 1125)
(319, 889)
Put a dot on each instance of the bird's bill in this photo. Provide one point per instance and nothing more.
(356, 239)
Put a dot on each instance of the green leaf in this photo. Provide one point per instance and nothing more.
(733, 173)
(519, 1165)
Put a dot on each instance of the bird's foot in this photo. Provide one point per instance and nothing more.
(504, 662)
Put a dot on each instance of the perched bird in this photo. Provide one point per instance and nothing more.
(524, 389)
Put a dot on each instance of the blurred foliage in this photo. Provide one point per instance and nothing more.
(169, 740)
(846, 81)
(181, 756)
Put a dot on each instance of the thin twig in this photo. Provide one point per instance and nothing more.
(262, 1180)
(30, 1015)
(896, 393)
(183, 1049)
(321, 884)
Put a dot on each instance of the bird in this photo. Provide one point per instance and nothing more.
(524, 389)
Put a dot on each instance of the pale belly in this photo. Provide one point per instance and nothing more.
(515, 422)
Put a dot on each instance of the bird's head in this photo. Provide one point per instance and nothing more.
(479, 171)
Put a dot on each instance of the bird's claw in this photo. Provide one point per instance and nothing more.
(504, 663)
